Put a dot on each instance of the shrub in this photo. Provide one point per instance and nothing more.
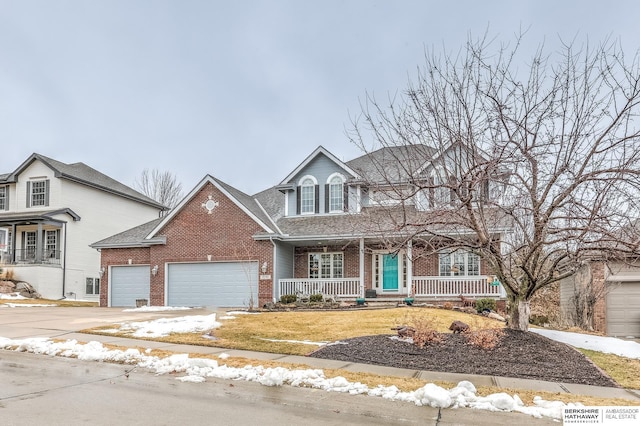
(539, 320)
(315, 298)
(484, 304)
(485, 339)
(288, 298)
(424, 331)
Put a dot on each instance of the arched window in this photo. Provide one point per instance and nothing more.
(307, 195)
(336, 193)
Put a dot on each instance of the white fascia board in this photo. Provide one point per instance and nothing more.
(194, 191)
(314, 154)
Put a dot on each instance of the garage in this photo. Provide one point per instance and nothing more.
(129, 283)
(623, 309)
(228, 284)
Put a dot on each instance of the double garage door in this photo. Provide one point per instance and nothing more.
(623, 310)
(228, 284)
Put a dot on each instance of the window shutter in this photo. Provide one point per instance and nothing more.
(46, 192)
(28, 194)
(326, 198)
(345, 204)
(317, 206)
(298, 194)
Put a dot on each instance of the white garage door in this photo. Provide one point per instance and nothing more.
(623, 310)
(228, 284)
(129, 283)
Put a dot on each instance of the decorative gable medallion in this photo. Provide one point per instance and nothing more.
(210, 204)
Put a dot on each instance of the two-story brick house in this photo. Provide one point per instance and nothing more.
(49, 214)
(323, 229)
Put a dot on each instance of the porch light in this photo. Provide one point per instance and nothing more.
(264, 268)
(101, 273)
(154, 270)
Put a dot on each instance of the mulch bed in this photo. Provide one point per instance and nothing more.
(518, 354)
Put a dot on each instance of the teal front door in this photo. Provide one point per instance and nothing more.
(389, 272)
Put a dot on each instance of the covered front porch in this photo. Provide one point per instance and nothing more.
(348, 269)
(423, 287)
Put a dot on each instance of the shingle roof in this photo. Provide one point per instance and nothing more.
(83, 174)
(134, 237)
(392, 164)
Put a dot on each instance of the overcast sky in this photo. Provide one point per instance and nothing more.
(241, 90)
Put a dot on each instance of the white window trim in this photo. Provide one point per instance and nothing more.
(320, 253)
(343, 179)
(32, 193)
(466, 263)
(313, 199)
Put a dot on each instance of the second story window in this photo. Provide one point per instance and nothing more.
(308, 196)
(336, 194)
(4, 198)
(37, 193)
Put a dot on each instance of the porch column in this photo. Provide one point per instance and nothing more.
(39, 244)
(361, 267)
(409, 268)
(13, 244)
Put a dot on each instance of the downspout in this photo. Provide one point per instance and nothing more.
(273, 279)
(64, 262)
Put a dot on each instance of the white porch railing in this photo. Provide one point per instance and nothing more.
(338, 287)
(454, 286)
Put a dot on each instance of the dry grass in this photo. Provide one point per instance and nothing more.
(62, 303)
(623, 370)
(247, 331)
(405, 384)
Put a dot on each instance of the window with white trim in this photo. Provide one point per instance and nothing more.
(326, 265)
(336, 194)
(51, 244)
(38, 193)
(459, 263)
(4, 198)
(307, 196)
(92, 286)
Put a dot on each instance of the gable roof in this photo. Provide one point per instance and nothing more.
(246, 203)
(319, 150)
(84, 175)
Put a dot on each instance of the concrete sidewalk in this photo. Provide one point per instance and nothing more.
(61, 323)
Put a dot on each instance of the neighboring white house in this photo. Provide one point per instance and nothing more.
(49, 214)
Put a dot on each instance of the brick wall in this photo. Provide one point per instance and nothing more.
(193, 235)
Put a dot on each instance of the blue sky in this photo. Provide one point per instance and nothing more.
(242, 90)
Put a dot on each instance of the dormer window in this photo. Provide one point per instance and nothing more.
(38, 193)
(335, 193)
(308, 195)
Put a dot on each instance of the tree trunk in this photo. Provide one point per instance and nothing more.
(519, 312)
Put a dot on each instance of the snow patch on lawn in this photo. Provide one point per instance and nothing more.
(157, 309)
(28, 305)
(165, 326)
(608, 345)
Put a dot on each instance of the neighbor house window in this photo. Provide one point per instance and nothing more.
(93, 286)
(29, 245)
(4, 198)
(326, 265)
(307, 196)
(458, 263)
(336, 194)
(37, 193)
(51, 245)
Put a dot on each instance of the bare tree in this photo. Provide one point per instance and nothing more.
(532, 164)
(160, 186)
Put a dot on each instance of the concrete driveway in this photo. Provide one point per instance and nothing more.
(56, 322)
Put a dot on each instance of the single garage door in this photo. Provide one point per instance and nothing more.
(212, 284)
(129, 283)
(623, 310)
